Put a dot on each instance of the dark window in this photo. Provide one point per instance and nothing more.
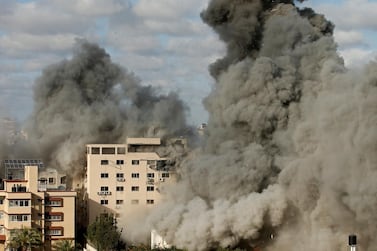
(135, 162)
(121, 150)
(165, 175)
(51, 181)
(108, 150)
(135, 175)
(104, 188)
(119, 202)
(135, 188)
(120, 175)
(120, 188)
(150, 188)
(120, 162)
(104, 202)
(104, 162)
(95, 150)
(150, 201)
(104, 175)
(150, 175)
(63, 180)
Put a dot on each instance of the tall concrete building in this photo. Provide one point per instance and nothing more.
(36, 201)
(122, 178)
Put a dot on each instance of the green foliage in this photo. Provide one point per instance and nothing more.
(64, 245)
(25, 239)
(103, 233)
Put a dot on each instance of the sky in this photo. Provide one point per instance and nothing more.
(163, 42)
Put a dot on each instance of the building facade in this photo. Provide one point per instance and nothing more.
(29, 203)
(123, 178)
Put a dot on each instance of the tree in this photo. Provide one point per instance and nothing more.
(103, 233)
(25, 238)
(64, 245)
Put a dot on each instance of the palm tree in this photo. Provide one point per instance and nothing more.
(25, 239)
(64, 245)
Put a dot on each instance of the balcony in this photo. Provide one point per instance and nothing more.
(19, 189)
(104, 193)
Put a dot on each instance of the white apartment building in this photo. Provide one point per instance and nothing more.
(122, 178)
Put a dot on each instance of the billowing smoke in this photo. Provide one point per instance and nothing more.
(290, 157)
(89, 99)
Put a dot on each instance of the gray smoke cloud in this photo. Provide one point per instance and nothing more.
(90, 99)
(290, 160)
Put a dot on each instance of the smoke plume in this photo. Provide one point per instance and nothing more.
(89, 99)
(290, 160)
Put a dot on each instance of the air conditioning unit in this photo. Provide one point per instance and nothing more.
(121, 179)
(162, 179)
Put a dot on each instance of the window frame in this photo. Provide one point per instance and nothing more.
(135, 188)
(135, 162)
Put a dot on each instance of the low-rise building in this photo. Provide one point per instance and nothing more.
(28, 202)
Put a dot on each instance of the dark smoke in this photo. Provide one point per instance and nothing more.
(89, 99)
(291, 145)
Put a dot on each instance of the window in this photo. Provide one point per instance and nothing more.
(108, 150)
(104, 202)
(54, 202)
(134, 202)
(121, 150)
(104, 175)
(104, 188)
(119, 202)
(120, 175)
(135, 188)
(150, 188)
(63, 180)
(165, 175)
(150, 175)
(1, 201)
(54, 217)
(18, 203)
(120, 188)
(135, 175)
(51, 180)
(120, 162)
(55, 231)
(95, 150)
(104, 162)
(135, 162)
(18, 217)
(150, 201)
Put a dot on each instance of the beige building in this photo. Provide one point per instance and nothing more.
(35, 202)
(122, 178)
